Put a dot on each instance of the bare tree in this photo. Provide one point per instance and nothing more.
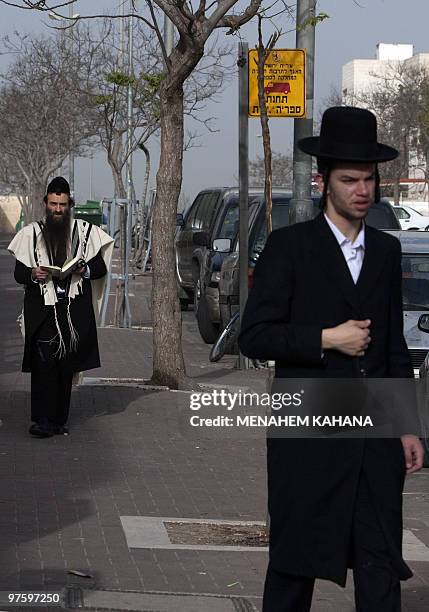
(111, 78)
(281, 170)
(263, 53)
(400, 101)
(42, 103)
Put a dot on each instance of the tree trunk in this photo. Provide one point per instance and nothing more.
(143, 217)
(396, 190)
(37, 207)
(268, 180)
(120, 191)
(168, 362)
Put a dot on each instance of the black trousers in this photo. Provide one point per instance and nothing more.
(377, 587)
(51, 378)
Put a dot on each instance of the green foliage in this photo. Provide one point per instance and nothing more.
(153, 81)
(120, 79)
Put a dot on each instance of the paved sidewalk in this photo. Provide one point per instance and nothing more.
(63, 500)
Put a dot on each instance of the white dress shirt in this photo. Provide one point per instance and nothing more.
(353, 251)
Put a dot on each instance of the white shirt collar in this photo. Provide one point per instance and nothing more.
(341, 239)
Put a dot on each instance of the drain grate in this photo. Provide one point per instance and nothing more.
(132, 601)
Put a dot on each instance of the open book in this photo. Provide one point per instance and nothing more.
(67, 268)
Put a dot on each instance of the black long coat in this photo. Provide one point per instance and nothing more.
(302, 285)
(81, 311)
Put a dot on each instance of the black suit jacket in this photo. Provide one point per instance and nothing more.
(302, 285)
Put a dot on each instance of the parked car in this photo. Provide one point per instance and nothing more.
(380, 216)
(213, 216)
(415, 292)
(411, 219)
(423, 325)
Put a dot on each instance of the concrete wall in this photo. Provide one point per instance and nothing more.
(10, 211)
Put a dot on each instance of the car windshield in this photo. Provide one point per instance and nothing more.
(231, 219)
(415, 282)
(258, 235)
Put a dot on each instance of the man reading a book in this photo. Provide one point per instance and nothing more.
(62, 263)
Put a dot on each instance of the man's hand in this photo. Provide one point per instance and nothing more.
(38, 274)
(414, 452)
(80, 267)
(351, 338)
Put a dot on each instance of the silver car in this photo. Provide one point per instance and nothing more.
(415, 292)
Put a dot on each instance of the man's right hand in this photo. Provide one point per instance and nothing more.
(351, 338)
(38, 274)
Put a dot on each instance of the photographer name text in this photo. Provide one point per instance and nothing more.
(291, 420)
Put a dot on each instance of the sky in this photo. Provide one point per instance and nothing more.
(352, 31)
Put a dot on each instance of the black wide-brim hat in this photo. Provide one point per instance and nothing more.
(348, 133)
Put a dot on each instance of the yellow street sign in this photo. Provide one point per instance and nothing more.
(284, 83)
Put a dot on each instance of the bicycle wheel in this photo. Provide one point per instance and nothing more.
(226, 339)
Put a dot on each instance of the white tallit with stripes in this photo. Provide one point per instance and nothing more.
(28, 247)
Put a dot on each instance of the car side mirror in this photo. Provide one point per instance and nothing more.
(201, 239)
(180, 221)
(222, 245)
(423, 323)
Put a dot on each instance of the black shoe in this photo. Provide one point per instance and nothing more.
(41, 430)
(61, 430)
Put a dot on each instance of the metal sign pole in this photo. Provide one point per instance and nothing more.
(243, 174)
(301, 205)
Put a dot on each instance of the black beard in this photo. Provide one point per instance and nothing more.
(56, 233)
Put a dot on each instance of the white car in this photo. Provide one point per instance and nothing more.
(410, 219)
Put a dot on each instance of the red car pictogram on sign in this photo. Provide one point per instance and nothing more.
(271, 88)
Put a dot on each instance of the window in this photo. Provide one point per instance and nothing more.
(206, 210)
(230, 224)
(280, 219)
(401, 213)
(191, 219)
(415, 281)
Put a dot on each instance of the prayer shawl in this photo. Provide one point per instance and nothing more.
(28, 247)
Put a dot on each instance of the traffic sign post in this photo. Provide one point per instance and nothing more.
(284, 83)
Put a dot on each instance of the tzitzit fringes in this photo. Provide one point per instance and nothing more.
(61, 352)
(74, 336)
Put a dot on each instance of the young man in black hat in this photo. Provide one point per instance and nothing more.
(59, 313)
(326, 303)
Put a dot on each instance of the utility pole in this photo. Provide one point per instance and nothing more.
(129, 164)
(301, 205)
(243, 177)
(71, 154)
(168, 35)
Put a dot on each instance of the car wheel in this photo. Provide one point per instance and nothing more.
(427, 229)
(209, 331)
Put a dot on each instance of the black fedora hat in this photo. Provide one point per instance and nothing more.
(348, 133)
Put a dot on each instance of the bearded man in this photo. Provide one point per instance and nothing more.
(59, 313)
